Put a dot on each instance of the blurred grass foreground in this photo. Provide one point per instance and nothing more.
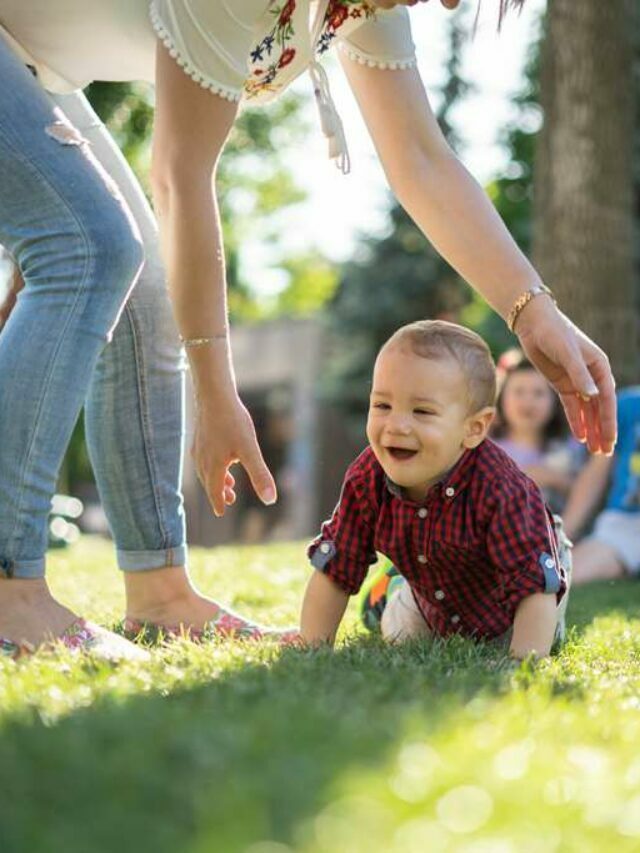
(234, 747)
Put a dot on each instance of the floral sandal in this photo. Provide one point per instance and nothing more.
(81, 636)
(225, 624)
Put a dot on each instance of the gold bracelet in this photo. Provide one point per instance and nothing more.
(200, 342)
(524, 299)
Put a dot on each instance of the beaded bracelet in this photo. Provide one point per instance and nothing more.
(524, 299)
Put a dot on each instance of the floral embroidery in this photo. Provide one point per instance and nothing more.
(279, 37)
(275, 51)
(339, 11)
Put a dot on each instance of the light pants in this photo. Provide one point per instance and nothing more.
(93, 327)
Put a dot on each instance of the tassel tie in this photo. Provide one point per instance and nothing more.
(330, 120)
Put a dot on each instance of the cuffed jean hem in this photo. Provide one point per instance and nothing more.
(22, 569)
(140, 561)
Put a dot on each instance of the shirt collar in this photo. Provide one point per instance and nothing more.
(453, 482)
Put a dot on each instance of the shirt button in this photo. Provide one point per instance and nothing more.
(325, 547)
(549, 563)
(449, 491)
(423, 512)
(455, 618)
(439, 594)
(422, 558)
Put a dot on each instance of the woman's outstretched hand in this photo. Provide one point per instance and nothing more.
(225, 435)
(577, 368)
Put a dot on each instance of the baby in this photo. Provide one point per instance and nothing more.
(474, 549)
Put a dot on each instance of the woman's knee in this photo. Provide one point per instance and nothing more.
(115, 247)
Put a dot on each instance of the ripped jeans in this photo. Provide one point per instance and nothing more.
(92, 326)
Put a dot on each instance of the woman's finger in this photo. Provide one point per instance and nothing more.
(572, 405)
(581, 378)
(259, 474)
(590, 411)
(607, 416)
(215, 489)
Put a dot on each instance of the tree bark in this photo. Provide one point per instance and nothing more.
(584, 177)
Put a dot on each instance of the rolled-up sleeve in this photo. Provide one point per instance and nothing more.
(344, 549)
(384, 41)
(210, 41)
(522, 546)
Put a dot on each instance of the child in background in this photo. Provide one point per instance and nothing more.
(530, 426)
(612, 549)
(468, 532)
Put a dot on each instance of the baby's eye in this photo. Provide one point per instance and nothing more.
(423, 412)
(380, 406)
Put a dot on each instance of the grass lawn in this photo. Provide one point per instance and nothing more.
(236, 747)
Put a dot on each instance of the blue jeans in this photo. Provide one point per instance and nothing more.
(93, 327)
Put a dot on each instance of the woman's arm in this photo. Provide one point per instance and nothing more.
(322, 610)
(456, 215)
(190, 129)
(534, 626)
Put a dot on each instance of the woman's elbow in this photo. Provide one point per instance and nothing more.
(174, 180)
(418, 165)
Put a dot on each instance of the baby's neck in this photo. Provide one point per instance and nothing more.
(419, 493)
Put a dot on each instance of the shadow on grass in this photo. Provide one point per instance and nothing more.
(250, 755)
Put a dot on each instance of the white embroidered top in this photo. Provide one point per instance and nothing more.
(239, 49)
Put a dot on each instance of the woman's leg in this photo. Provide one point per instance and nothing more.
(79, 252)
(134, 420)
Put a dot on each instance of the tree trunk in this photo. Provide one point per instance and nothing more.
(584, 188)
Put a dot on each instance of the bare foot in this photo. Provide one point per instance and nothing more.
(166, 598)
(29, 614)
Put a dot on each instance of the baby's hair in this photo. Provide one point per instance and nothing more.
(437, 339)
(511, 362)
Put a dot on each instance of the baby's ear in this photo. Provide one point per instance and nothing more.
(477, 426)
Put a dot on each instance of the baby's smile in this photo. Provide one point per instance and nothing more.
(401, 453)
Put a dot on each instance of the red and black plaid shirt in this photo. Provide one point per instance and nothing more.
(480, 542)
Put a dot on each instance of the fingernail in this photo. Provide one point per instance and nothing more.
(269, 496)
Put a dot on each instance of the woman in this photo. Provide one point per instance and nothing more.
(74, 221)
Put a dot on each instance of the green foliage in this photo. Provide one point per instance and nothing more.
(127, 110)
(242, 748)
(312, 283)
(398, 278)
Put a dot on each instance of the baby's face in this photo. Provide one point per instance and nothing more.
(418, 415)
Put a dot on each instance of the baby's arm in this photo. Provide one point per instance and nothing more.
(322, 609)
(534, 626)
